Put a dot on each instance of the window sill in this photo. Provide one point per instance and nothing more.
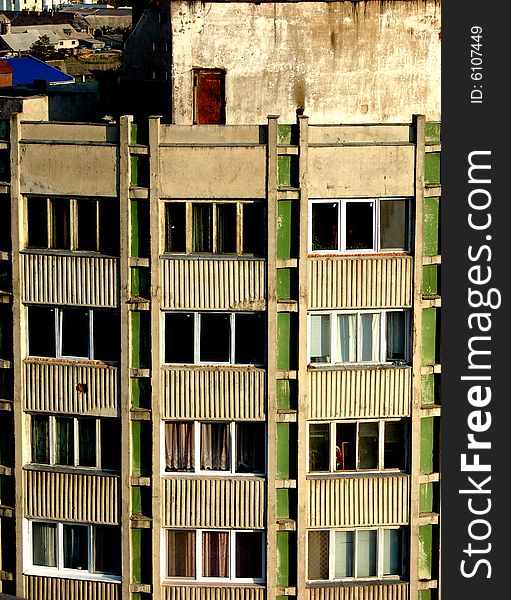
(212, 366)
(70, 361)
(354, 582)
(212, 475)
(70, 470)
(67, 252)
(353, 254)
(210, 256)
(227, 583)
(71, 574)
(356, 366)
(357, 474)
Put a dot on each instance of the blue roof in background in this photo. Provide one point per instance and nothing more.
(26, 69)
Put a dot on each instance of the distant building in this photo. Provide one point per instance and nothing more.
(27, 70)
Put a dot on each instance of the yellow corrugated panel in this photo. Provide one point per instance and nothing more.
(360, 282)
(359, 393)
(213, 284)
(384, 591)
(359, 501)
(48, 588)
(214, 502)
(72, 497)
(213, 393)
(212, 593)
(72, 280)
(52, 387)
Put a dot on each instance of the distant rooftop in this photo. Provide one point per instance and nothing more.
(27, 69)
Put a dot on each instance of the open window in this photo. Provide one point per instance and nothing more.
(354, 226)
(357, 446)
(208, 97)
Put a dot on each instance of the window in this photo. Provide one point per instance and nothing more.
(215, 338)
(359, 226)
(357, 446)
(77, 333)
(85, 442)
(214, 228)
(212, 555)
(83, 224)
(214, 447)
(359, 337)
(355, 554)
(75, 547)
(208, 97)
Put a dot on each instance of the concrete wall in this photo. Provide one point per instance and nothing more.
(340, 61)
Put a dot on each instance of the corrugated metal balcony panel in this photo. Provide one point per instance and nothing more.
(181, 592)
(52, 588)
(382, 591)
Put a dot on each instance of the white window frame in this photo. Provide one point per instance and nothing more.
(341, 235)
(59, 571)
(381, 447)
(198, 556)
(198, 450)
(197, 315)
(379, 554)
(382, 338)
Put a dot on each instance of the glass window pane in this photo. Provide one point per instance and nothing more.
(44, 544)
(175, 227)
(394, 448)
(320, 338)
(249, 549)
(359, 226)
(37, 217)
(87, 442)
(343, 554)
(215, 447)
(40, 441)
(215, 554)
(347, 338)
(366, 553)
(249, 450)
(109, 227)
(346, 446)
(202, 227)
(370, 337)
(250, 338)
(396, 335)
(368, 445)
(64, 443)
(106, 335)
(317, 554)
(226, 228)
(107, 549)
(319, 447)
(41, 331)
(215, 338)
(60, 224)
(76, 547)
(180, 553)
(74, 323)
(110, 444)
(179, 338)
(394, 224)
(325, 226)
(179, 446)
(254, 232)
(391, 552)
(87, 225)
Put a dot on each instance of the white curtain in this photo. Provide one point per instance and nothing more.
(347, 338)
(215, 446)
(370, 337)
(320, 338)
(179, 447)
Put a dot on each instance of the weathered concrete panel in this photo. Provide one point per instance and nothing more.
(213, 172)
(211, 134)
(340, 61)
(75, 132)
(361, 171)
(371, 134)
(65, 169)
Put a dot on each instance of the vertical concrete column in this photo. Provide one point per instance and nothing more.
(419, 122)
(301, 483)
(271, 391)
(124, 375)
(19, 341)
(154, 228)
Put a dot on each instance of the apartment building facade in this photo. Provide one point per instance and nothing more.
(220, 355)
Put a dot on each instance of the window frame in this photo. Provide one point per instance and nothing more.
(380, 556)
(29, 568)
(197, 315)
(334, 344)
(381, 447)
(341, 235)
(198, 450)
(189, 228)
(199, 577)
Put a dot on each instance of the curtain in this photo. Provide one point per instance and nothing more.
(370, 337)
(179, 447)
(76, 547)
(40, 442)
(87, 442)
(64, 451)
(215, 446)
(366, 553)
(44, 544)
(320, 338)
(180, 553)
(343, 554)
(347, 338)
(202, 227)
(215, 554)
